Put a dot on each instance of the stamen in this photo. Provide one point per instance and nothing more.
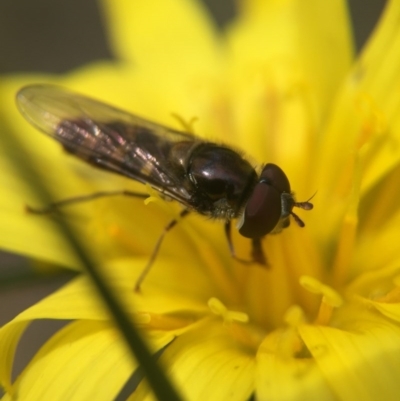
(330, 298)
(219, 309)
(313, 285)
(374, 120)
(348, 229)
(294, 346)
(294, 316)
(245, 335)
(167, 321)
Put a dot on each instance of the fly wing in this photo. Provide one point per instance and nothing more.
(105, 136)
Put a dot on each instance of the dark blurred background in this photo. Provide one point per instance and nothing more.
(56, 36)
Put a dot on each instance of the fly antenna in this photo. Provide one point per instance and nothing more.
(306, 205)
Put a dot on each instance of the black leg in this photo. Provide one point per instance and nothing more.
(84, 198)
(257, 254)
(153, 256)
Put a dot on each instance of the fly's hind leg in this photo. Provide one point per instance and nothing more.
(54, 206)
(153, 256)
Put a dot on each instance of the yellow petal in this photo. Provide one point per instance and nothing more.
(378, 250)
(379, 207)
(366, 115)
(154, 309)
(281, 378)
(85, 360)
(75, 300)
(294, 380)
(177, 58)
(171, 50)
(379, 70)
(206, 364)
(362, 364)
(301, 36)
(9, 341)
(24, 233)
(390, 310)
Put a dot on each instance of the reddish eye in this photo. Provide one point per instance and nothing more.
(266, 206)
(275, 177)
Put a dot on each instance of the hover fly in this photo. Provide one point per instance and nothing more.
(204, 177)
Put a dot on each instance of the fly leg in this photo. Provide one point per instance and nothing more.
(153, 256)
(54, 206)
(257, 253)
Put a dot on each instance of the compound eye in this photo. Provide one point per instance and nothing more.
(264, 208)
(262, 212)
(274, 176)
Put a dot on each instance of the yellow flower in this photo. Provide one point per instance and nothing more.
(281, 83)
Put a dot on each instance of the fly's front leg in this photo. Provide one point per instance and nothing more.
(228, 236)
(54, 206)
(153, 256)
(257, 253)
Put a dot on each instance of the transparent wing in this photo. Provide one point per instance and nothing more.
(106, 137)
